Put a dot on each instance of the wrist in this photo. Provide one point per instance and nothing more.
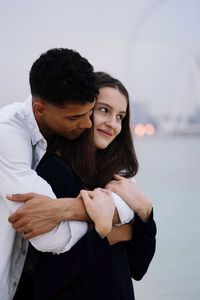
(103, 230)
(144, 211)
(73, 209)
(64, 206)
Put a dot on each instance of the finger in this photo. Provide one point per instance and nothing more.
(109, 187)
(20, 197)
(14, 217)
(89, 193)
(103, 191)
(18, 224)
(21, 229)
(118, 177)
(85, 196)
(110, 183)
(29, 235)
(99, 189)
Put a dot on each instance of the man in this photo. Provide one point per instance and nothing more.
(63, 92)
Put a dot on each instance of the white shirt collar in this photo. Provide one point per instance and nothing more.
(33, 127)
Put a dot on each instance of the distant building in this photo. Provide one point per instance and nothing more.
(140, 115)
(143, 124)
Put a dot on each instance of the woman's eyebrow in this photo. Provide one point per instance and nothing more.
(105, 104)
(102, 103)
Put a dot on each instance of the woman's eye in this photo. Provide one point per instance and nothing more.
(103, 109)
(120, 117)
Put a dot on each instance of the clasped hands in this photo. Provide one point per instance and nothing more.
(40, 213)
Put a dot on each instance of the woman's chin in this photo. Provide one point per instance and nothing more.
(101, 145)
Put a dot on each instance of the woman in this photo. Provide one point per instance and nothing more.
(78, 274)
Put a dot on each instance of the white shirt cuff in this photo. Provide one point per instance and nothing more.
(78, 230)
(124, 211)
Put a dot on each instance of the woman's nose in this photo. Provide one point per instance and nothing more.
(111, 121)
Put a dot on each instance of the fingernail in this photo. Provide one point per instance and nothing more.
(9, 195)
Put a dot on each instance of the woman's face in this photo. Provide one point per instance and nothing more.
(109, 112)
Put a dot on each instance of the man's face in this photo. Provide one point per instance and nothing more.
(69, 121)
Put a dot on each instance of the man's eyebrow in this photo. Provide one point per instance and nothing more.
(105, 104)
(77, 116)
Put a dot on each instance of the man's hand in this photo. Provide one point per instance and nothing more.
(38, 215)
(130, 193)
(121, 233)
(41, 214)
(100, 207)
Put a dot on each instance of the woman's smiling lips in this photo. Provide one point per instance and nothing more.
(105, 132)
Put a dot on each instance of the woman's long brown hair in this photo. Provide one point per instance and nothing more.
(96, 168)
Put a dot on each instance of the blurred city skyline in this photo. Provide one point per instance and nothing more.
(151, 45)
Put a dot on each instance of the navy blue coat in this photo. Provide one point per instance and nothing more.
(91, 269)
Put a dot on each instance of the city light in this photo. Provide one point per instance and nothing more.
(141, 130)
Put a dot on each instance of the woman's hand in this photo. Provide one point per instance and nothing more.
(130, 193)
(100, 207)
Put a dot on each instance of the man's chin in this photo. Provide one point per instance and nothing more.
(72, 137)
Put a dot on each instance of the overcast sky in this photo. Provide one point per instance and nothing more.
(150, 45)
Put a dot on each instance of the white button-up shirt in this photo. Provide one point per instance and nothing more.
(21, 148)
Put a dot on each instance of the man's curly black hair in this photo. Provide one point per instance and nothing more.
(62, 76)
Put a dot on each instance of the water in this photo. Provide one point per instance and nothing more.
(170, 175)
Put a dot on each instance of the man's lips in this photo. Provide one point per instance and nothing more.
(73, 135)
(77, 132)
(105, 132)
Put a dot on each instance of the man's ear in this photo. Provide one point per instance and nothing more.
(38, 107)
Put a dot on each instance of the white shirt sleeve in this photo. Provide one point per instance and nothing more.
(124, 211)
(62, 238)
(16, 176)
